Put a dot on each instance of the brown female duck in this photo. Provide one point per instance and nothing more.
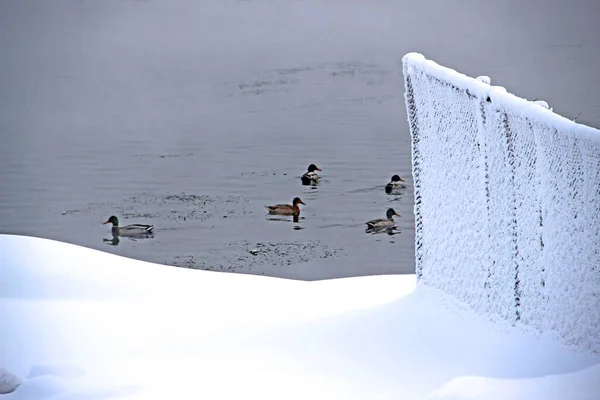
(286, 209)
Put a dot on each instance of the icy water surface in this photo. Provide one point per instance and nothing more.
(192, 116)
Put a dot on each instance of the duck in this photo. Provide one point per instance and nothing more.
(394, 184)
(310, 177)
(286, 209)
(383, 223)
(129, 230)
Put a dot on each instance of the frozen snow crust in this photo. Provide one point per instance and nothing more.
(507, 203)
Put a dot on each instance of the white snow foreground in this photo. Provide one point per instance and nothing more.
(81, 324)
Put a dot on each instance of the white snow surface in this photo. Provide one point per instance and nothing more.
(79, 324)
(507, 203)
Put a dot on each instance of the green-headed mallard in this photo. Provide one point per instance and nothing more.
(129, 230)
(310, 177)
(394, 184)
(286, 209)
(383, 223)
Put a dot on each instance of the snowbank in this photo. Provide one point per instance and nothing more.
(507, 203)
(81, 324)
(583, 385)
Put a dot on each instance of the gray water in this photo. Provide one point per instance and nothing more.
(192, 116)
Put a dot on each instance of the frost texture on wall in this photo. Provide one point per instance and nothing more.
(507, 202)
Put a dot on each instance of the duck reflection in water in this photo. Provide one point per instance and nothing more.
(113, 242)
(297, 226)
(116, 239)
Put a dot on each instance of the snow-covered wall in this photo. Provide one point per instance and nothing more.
(507, 202)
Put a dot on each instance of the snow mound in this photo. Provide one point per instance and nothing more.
(89, 325)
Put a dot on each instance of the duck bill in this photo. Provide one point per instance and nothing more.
(107, 222)
(402, 180)
(319, 169)
(397, 215)
(301, 202)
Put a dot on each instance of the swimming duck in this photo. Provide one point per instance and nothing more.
(383, 223)
(394, 184)
(129, 230)
(286, 209)
(310, 177)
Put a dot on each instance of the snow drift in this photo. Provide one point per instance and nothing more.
(79, 324)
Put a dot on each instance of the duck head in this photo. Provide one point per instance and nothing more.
(396, 178)
(114, 220)
(391, 212)
(313, 168)
(297, 201)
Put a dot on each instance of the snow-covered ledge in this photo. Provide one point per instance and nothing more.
(507, 203)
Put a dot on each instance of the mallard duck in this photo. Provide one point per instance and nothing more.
(129, 230)
(286, 209)
(394, 184)
(310, 177)
(383, 223)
